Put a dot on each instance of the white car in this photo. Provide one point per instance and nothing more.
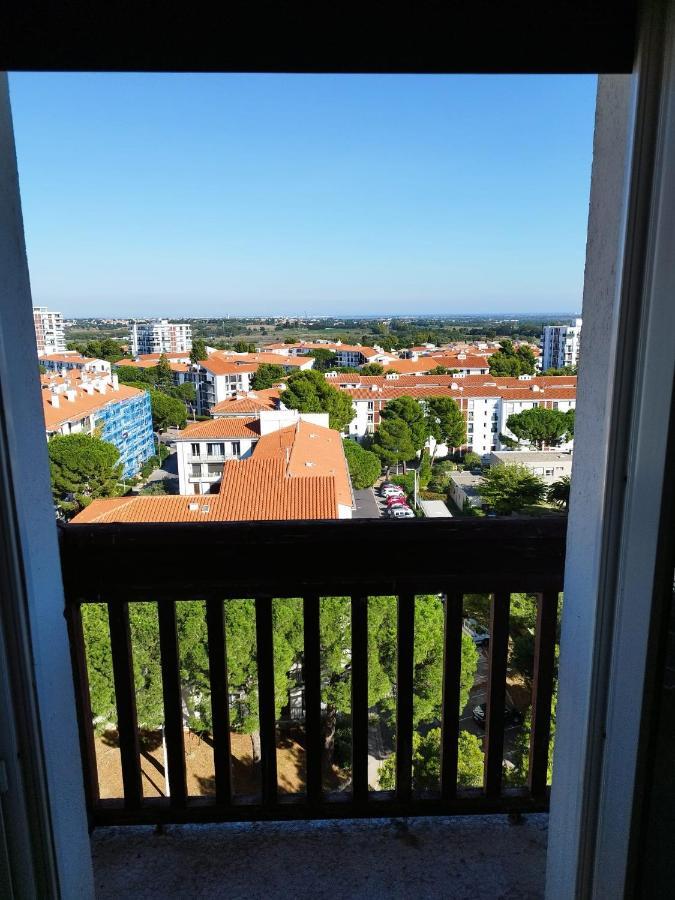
(393, 492)
(401, 512)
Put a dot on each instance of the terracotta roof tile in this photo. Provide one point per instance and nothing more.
(221, 428)
(84, 404)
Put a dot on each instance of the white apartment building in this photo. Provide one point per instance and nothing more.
(560, 345)
(50, 336)
(486, 402)
(219, 378)
(160, 336)
(203, 449)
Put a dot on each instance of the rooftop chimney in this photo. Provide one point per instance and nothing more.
(55, 400)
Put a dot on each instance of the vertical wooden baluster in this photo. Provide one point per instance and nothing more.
(266, 711)
(494, 718)
(125, 700)
(173, 702)
(78, 658)
(404, 695)
(542, 691)
(452, 669)
(359, 608)
(312, 681)
(220, 709)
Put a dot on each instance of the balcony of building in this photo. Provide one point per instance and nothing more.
(123, 565)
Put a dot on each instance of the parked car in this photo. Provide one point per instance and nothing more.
(401, 512)
(393, 492)
(512, 716)
(395, 498)
(478, 633)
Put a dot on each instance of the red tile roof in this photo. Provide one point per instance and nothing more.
(296, 473)
(83, 404)
(234, 427)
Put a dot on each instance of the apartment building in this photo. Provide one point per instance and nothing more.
(71, 361)
(296, 472)
(560, 345)
(486, 402)
(119, 413)
(358, 355)
(160, 336)
(202, 449)
(50, 335)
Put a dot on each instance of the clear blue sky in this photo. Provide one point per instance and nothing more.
(268, 194)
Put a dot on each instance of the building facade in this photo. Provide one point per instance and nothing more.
(485, 401)
(50, 335)
(118, 413)
(560, 345)
(160, 336)
(71, 361)
(203, 449)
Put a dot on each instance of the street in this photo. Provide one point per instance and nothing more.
(367, 506)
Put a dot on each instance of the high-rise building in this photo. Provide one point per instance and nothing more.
(560, 345)
(160, 336)
(50, 336)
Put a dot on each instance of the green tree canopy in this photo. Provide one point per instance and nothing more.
(244, 347)
(559, 492)
(83, 469)
(372, 369)
(324, 360)
(309, 392)
(408, 410)
(364, 465)
(564, 370)
(166, 411)
(265, 376)
(540, 426)
(508, 489)
(198, 351)
(107, 348)
(511, 362)
(163, 373)
(393, 442)
(445, 422)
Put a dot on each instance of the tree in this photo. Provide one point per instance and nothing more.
(364, 465)
(163, 373)
(408, 410)
(508, 489)
(198, 351)
(472, 460)
(265, 376)
(372, 369)
(540, 426)
(166, 411)
(564, 370)
(244, 347)
(83, 469)
(324, 360)
(393, 442)
(309, 392)
(511, 362)
(559, 492)
(445, 422)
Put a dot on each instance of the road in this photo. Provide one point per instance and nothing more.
(366, 505)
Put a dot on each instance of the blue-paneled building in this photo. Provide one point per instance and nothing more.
(128, 425)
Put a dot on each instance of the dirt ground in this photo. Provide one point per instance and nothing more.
(199, 765)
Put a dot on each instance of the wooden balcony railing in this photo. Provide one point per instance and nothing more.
(119, 565)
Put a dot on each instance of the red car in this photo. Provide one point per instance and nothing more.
(397, 501)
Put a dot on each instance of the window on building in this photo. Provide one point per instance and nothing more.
(215, 469)
(236, 448)
(195, 470)
(215, 449)
(195, 449)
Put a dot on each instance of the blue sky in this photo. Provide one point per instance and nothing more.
(271, 195)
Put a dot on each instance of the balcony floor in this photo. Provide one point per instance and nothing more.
(464, 857)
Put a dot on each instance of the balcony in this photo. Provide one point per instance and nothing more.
(119, 565)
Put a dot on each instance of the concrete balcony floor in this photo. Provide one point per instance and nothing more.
(463, 857)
